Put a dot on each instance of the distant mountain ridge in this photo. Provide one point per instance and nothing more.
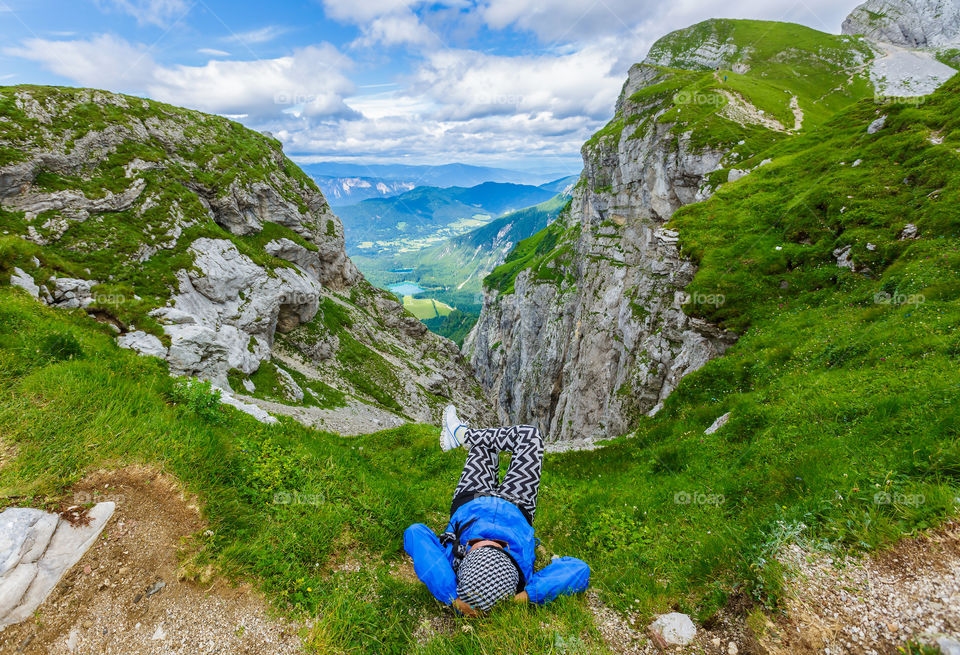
(563, 185)
(350, 190)
(349, 183)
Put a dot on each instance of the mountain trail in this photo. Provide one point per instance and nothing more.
(797, 114)
(871, 604)
(864, 605)
(356, 418)
(129, 594)
(740, 110)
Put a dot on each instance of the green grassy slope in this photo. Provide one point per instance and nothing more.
(807, 63)
(843, 387)
(71, 401)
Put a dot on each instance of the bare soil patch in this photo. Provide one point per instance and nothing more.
(127, 594)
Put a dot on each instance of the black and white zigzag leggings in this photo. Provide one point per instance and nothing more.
(481, 472)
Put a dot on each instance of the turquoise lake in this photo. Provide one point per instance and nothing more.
(406, 289)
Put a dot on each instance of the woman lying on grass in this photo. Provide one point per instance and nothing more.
(487, 552)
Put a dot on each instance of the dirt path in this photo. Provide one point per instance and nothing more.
(873, 604)
(849, 606)
(797, 114)
(357, 417)
(740, 110)
(104, 604)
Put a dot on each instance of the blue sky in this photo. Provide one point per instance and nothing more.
(515, 83)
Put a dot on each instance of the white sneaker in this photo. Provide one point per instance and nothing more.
(452, 433)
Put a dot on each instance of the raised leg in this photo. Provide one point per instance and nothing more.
(522, 480)
(481, 471)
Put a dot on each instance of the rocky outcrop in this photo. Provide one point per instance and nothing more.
(583, 358)
(907, 23)
(36, 549)
(228, 309)
(200, 243)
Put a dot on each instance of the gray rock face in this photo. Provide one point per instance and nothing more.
(909, 23)
(710, 50)
(228, 309)
(582, 359)
(36, 549)
(292, 252)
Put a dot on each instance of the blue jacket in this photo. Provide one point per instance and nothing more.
(495, 519)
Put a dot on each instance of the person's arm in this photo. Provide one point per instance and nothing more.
(564, 575)
(430, 562)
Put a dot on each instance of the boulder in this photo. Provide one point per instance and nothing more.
(143, 343)
(737, 173)
(70, 293)
(719, 423)
(843, 257)
(675, 629)
(228, 309)
(291, 389)
(24, 280)
(228, 399)
(909, 232)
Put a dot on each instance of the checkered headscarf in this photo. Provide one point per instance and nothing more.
(486, 576)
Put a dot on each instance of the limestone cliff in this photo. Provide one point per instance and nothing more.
(586, 326)
(583, 357)
(199, 242)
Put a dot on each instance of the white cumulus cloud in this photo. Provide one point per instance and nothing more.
(468, 84)
(310, 81)
(104, 61)
(389, 22)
